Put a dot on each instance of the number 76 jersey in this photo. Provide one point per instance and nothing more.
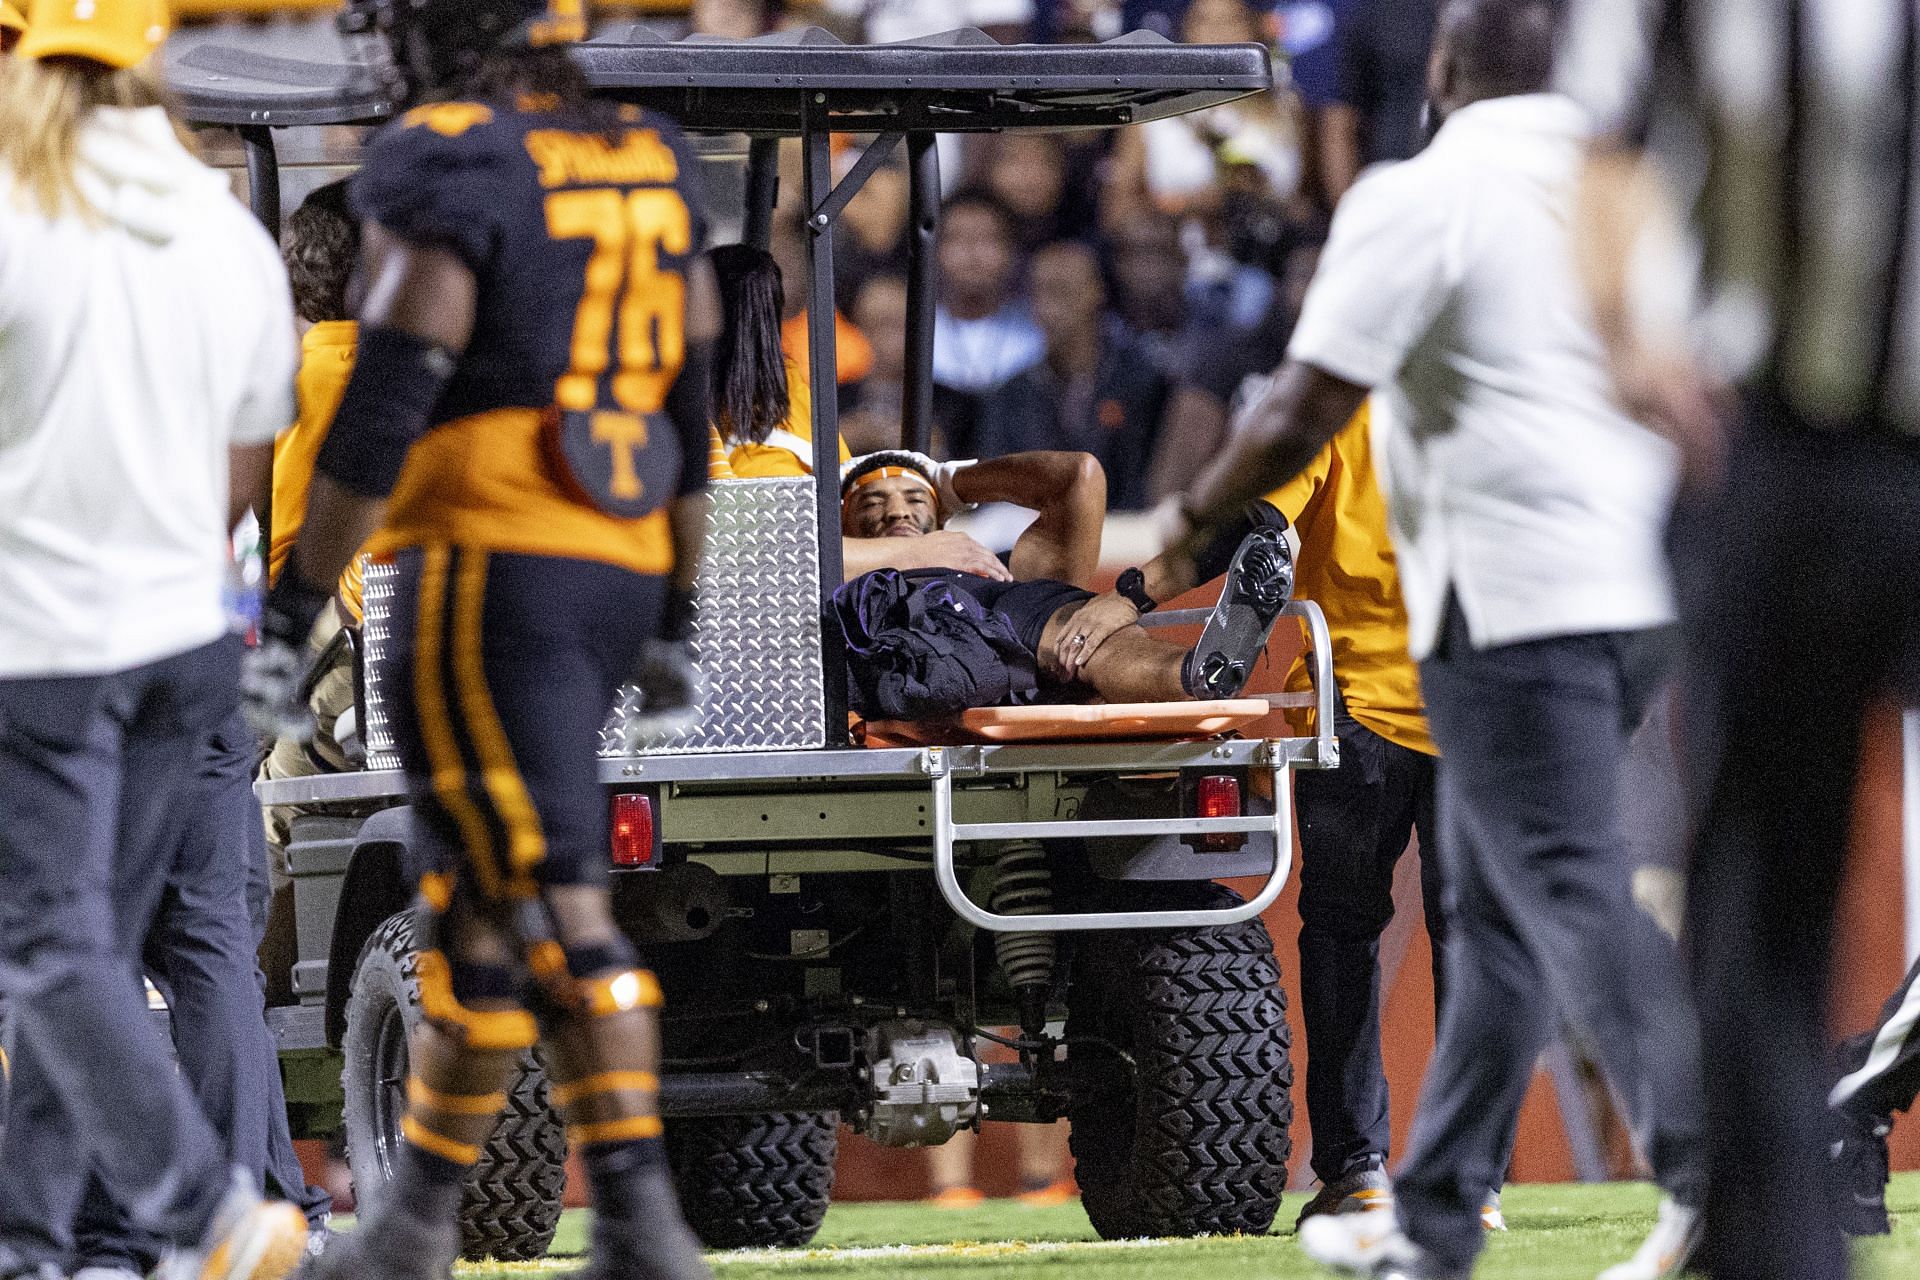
(580, 227)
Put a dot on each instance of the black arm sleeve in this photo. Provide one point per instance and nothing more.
(397, 379)
(689, 405)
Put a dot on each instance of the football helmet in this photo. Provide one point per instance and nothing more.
(435, 45)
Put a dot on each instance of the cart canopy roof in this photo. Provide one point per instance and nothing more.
(958, 82)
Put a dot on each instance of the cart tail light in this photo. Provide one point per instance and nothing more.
(632, 840)
(1218, 796)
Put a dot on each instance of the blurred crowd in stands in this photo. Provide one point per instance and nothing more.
(1110, 291)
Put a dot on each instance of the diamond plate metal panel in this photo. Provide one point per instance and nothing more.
(757, 631)
(375, 633)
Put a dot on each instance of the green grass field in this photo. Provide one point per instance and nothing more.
(1559, 1233)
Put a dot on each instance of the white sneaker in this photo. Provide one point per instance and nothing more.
(1666, 1249)
(1490, 1216)
(251, 1239)
(1366, 1244)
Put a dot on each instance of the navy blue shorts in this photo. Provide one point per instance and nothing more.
(502, 671)
(1027, 606)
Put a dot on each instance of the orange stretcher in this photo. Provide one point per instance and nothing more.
(1095, 722)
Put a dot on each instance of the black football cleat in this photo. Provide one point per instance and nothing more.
(656, 1246)
(389, 1245)
(1258, 587)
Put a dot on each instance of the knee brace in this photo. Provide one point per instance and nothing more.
(447, 991)
(600, 979)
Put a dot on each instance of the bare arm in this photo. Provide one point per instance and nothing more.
(688, 515)
(1068, 490)
(1194, 429)
(249, 480)
(1623, 215)
(430, 294)
(1290, 424)
(944, 549)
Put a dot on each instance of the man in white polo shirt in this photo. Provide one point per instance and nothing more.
(1526, 512)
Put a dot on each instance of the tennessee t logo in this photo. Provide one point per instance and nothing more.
(624, 434)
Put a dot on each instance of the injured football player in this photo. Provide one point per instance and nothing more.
(941, 626)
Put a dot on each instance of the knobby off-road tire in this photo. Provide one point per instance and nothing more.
(750, 1182)
(1194, 1139)
(513, 1198)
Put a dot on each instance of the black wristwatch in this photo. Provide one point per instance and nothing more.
(1133, 587)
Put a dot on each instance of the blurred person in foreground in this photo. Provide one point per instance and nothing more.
(1094, 391)
(1794, 391)
(1526, 518)
(147, 361)
(204, 951)
(539, 480)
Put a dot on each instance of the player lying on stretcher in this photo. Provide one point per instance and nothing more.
(928, 643)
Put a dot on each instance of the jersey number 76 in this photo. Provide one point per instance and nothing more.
(630, 230)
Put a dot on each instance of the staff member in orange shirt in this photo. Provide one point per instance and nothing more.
(321, 246)
(1355, 821)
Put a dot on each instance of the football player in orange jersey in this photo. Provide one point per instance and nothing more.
(525, 434)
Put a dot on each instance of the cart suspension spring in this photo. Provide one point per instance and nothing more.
(1023, 886)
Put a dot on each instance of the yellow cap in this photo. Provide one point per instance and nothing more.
(118, 33)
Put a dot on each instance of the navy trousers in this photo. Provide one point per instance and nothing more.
(93, 771)
(1355, 822)
(1541, 921)
(201, 953)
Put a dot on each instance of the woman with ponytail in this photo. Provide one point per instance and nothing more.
(762, 406)
(146, 360)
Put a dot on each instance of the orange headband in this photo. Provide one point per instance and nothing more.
(885, 473)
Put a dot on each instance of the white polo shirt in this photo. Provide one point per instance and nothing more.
(1511, 476)
(134, 349)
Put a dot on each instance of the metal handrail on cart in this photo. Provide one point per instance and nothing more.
(948, 835)
(1275, 756)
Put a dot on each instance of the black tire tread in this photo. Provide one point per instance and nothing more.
(1199, 1144)
(754, 1182)
(511, 1205)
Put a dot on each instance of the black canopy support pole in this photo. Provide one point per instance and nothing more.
(816, 146)
(877, 153)
(763, 191)
(923, 225)
(263, 176)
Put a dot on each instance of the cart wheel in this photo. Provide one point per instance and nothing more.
(512, 1203)
(1192, 1138)
(754, 1182)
